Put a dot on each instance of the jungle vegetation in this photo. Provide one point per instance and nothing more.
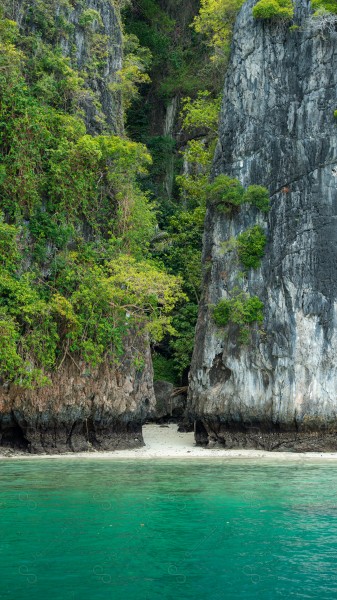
(101, 231)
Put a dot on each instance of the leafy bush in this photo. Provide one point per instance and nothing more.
(257, 196)
(30, 338)
(9, 254)
(221, 312)
(242, 310)
(226, 193)
(215, 21)
(202, 112)
(90, 17)
(86, 314)
(180, 252)
(251, 244)
(183, 342)
(136, 62)
(329, 6)
(10, 360)
(275, 10)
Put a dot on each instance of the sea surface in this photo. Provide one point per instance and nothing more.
(89, 529)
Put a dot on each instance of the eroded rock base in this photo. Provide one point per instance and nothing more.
(212, 433)
(46, 436)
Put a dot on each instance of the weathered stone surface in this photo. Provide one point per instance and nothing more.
(277, 129)
(81, 410)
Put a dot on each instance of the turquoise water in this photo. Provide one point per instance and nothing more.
(100, 529)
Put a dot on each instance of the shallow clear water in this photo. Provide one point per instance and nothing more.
(100, 529)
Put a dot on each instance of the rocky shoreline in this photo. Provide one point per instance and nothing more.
(165, 442)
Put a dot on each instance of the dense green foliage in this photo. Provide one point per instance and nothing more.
(275, 10)
(163, 368)
(319, 6)
(201, 40)
(227, 194)
(257, 196)
(179, 68)
(180, 252)
(215, 20)
(181, 78)
(137, 61)
(177, 56)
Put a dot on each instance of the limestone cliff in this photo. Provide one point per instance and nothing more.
(82, 409)
(277, 129)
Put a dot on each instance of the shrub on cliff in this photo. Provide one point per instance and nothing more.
(241, 310)
(257, 196)
(329, 6)
(275, 10)
(251, 244)
(227, 193)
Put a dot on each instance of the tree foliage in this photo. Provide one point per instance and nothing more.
(83, 264)
(215, 20)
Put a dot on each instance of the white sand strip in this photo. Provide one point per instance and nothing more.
(165, 442)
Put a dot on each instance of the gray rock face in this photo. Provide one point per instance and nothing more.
(277, 129)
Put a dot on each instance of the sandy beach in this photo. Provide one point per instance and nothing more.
(165, 442)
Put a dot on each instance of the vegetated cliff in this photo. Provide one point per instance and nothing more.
(90, 35)
(83, 408)
(279, 389)
(97, 47)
